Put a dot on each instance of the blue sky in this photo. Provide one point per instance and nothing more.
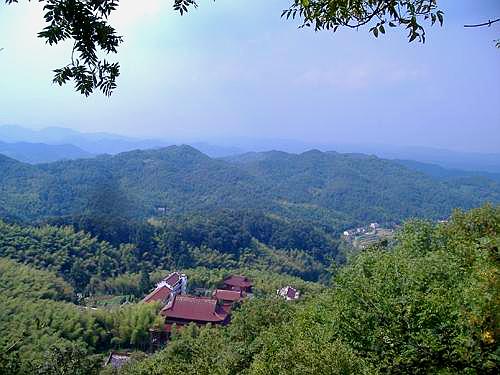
(233, 68)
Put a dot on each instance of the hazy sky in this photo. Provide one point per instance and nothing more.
(233, 68)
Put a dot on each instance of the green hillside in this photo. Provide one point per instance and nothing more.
(332, 189)
(426, 305)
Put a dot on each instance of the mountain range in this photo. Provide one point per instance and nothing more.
(328, 188)
(24, 144)
(92, 143)
(41, 153)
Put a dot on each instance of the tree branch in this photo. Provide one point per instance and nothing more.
(489, 23)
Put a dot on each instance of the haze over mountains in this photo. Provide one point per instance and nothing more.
(41, 153)
(39, 146)
(92, 143)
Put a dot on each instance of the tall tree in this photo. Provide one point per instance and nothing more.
(145, 281)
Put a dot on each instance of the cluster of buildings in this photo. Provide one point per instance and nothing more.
(372, 227)
(362, 237)
(180, 309)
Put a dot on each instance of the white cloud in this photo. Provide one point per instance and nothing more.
(131, 12)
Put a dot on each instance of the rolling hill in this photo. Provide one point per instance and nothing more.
(329, 188)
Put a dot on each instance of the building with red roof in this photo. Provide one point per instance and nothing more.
(238, 283)
(227, 298)
(161, 294)
(183, 310)
(230, 296)
(173, 278)
(175, 283)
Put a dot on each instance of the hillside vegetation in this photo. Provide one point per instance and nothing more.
(336, 190)
(427, 305)
(81, 242)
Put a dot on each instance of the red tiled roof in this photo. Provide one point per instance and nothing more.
(239, 281)
(159, 294)
(200, 309)
(227, 295)
(172, 279)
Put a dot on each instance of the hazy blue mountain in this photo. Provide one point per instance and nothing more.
(444, 173)
(41, 153)
(52, 134)
(470, 161)
(215, 151)
(93, 143)
(107, 143)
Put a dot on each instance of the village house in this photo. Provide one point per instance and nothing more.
(238, 283)
(166, 290)
(189, 309)
(289, 293)
(227, 298)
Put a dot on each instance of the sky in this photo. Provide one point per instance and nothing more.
(234, 68)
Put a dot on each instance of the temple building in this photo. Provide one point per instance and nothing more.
(238, 283)
(183, 310)
(166, 290)
(227, 298)
(180, 309)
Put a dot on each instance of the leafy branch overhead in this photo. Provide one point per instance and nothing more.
(331, 15)
(85, 23)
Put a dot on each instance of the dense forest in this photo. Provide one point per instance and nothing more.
(229, 240)
(426, 302)
(82, 242)
(325, 188)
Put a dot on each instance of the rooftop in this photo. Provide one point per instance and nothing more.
(228, 295)
(291, 293)
(161, 293)
(239, 281)
(173, 278)
(200, 309)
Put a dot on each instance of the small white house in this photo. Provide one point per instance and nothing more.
(289, 293)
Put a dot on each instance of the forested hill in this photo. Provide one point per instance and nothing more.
(328, 188)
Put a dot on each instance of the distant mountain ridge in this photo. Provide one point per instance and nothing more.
(41, 153)
(93, 143)
(451, 159)
(445, 173)
(329, 189)
(107, 143)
